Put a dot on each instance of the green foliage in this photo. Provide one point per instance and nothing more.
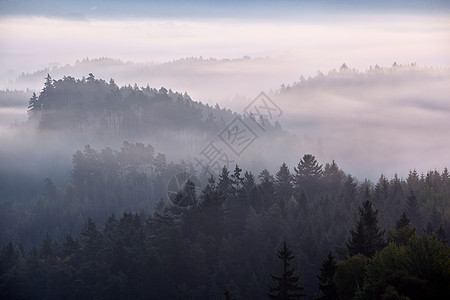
(429, 259)
(403, 231)
(401, 236)
(349, 275)
(418, 270)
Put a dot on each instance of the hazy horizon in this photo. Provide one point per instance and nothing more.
(309, 35)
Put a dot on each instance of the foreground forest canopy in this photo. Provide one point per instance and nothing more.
(226, 235)
(116, 229)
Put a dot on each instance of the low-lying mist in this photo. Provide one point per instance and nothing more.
(385, 120)
(381, 121)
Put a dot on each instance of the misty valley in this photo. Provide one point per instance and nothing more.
(106, 193)
(225, 150)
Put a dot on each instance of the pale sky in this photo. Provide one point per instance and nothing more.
(313, 41)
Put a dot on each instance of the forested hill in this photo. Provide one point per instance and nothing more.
(91, 106)
(227, 234)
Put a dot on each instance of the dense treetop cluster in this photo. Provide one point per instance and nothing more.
(225, 236)
(96, 107)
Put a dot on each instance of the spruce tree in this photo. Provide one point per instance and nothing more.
(251, 192)
(358, 239)
(441, 235)
(307, 175)
(332, 177)
(403, 231)
(225, 182)
(413, 181)
(308, 167)
(445, 179)
(47, 250)
(266, 188)
(429, 229)
(402, 222)
(34, 106)
(326, 281)
(46, 102)
(50, 191)
(70, 246)
(413, 209)
(186, 197)
(237, 179)
(287, 284)
(366, 238)
(283, 186)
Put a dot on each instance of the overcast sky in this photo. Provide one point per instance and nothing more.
(36, 34)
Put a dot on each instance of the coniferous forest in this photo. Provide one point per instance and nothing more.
(225, 150)
(111, 229)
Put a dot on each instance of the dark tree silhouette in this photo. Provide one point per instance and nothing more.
(366, 238)
(402, 222)
(429, 229)
(403, 230)
(34, 106)
(237, 179)
(441, 235)
(46, 250)
(283, 186)
(326, 281)
(332, 177)
(50, 189)
(47, 103)
(412, 208)
(267, 188)
(228, 295)
(225, 184)
(357, 243)
(308, 167)
(307, 175)
(287, 284)
(186, 197)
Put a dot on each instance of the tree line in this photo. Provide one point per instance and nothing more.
(94, 107)
(226, 235)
